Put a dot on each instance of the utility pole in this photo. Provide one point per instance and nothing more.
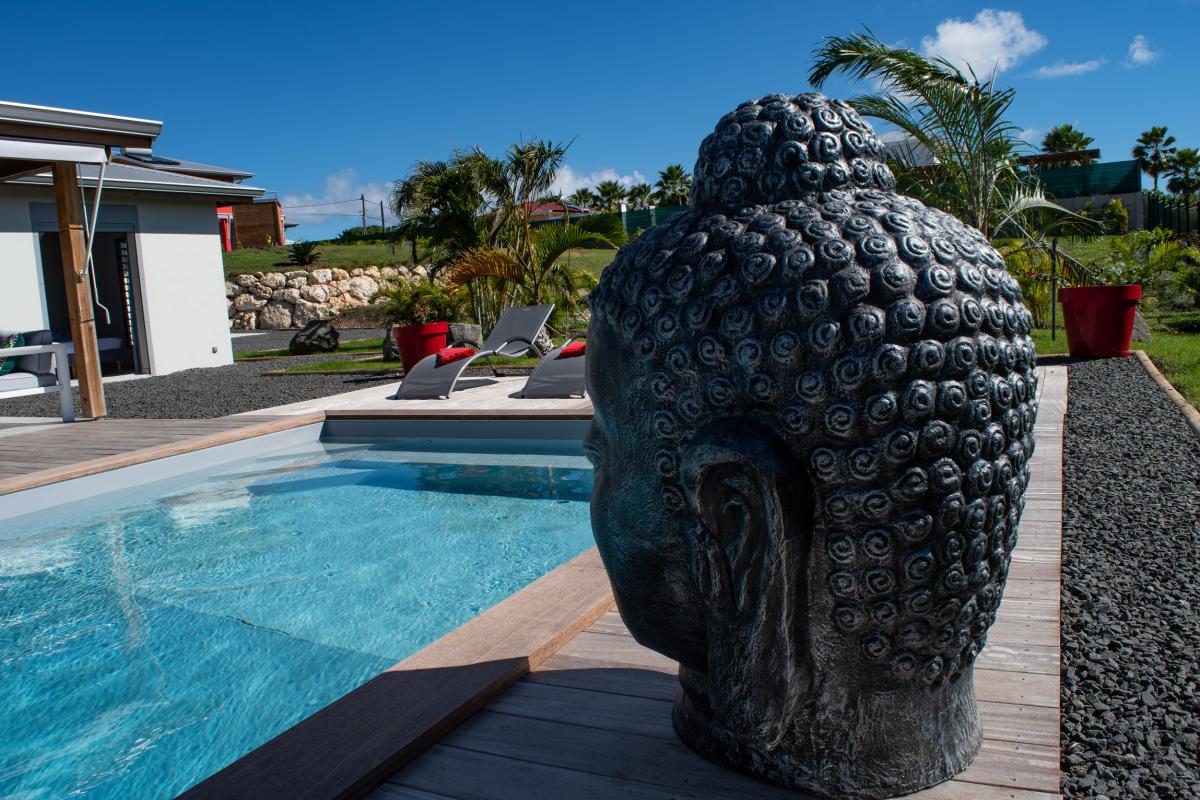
(363, 199)
(382, 224)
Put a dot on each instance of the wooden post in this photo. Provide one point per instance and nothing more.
(69, 205)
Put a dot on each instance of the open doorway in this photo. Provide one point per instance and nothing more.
(117, 289)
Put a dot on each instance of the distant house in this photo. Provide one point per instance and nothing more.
(550, 210)
(157, 280)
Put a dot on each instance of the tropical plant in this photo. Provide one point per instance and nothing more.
(419, 302)
(443, 202)
(1154, 150)
(1031, 263)
(1114, 217)
(1162, 264)
(611, 195)
(639, 195)
(583, 198)
(1066, 138)
(674, 186)
(1184, 174)
(303, 253)
(538, 273)
(352, 234)
(960, 121)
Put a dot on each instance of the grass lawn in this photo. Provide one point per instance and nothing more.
(1089, 251)
(367, 254)
(1175, 349)
(352, 346)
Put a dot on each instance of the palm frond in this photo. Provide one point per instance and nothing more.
(484, 263)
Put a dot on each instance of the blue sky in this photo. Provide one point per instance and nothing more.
(325, 101)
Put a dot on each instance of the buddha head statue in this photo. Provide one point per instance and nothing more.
(814, 405)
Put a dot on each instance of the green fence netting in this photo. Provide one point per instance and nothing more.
(643, 218)
(1114, 177)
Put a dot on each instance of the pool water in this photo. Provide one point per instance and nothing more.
(156, 635)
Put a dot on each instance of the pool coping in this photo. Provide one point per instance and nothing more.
(352, 745)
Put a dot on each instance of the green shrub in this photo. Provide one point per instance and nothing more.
(303, 253)
(1115, 218)
(419, 302)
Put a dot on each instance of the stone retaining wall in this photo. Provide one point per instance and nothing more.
(280, 300)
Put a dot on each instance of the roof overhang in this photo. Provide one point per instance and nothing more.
(22, 120)
(24, 156)
(163, 185)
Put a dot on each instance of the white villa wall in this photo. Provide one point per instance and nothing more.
(177, 252)
(21, 306)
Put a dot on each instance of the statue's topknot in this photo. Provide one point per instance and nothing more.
(783, 147)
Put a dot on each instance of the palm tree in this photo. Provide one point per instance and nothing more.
(674, 186)
(583, 198)
(1154, 150)
(1184, 174)
(611, 194)
(537, 273)
(1066, 138)
(962, 122)
(441, 201)
(639, 195)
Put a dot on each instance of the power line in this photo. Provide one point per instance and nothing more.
(330, 203)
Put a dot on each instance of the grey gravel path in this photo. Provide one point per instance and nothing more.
(278, 340)
(203, 393)
(1131, 588)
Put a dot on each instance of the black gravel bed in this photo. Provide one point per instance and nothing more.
(1131, 593)
(279, 340)
(204, 393)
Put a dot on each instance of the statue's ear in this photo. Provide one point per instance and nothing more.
(753, 522)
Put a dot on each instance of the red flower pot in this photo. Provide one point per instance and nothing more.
(1099, 319)
(417, 341)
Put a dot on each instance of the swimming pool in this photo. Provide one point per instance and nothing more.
(150, 636)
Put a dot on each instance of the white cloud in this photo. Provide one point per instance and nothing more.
(1060, 69)
(1140, 52)
(328, 208)
(567, 181)
(1030, 135)
(992, 41)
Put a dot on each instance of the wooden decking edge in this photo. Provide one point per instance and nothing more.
(352, 745)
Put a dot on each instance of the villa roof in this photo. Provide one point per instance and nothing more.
(146, 158)
(144, 179)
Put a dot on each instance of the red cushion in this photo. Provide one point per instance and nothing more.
(448, 355)
(573, 349)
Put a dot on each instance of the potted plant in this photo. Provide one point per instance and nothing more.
(419, 317)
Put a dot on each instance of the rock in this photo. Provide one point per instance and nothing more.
(390, 351)
(372, 272)
(318, 336)
(420, 271)
(1141, 331)
(314, 294)
(297, 274)
(362, 288)
(542, 343)
(275, 316)
(466, 332)
(357, 272)
(232, 289)
(388, 273)
(296, 283)
(244, 321)
(245, 281)
(288, 295)
(321, 276)
(304, 312)
(335, 288)
(339, 274)
(273, 280)
(248, 302)
(261, 290)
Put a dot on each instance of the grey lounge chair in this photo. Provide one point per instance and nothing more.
(512, 338)
(557, 377)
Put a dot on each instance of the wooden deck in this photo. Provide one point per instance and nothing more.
(593, 720)
(64, 451)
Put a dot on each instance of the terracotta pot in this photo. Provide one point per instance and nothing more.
(418, 341)
(1099, 319)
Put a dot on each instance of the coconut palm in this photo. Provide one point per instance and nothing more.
(1184, 174)
(538, 273)
(611, 194)
(1066, 138)
(442, 201)
(583, 198)
(674, 186)
(961, 121)
(1154, 150)
(640, 195)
